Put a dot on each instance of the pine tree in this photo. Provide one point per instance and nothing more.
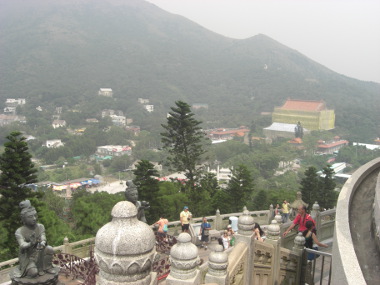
(17, 170)
(184, 140)
(310, 185)
(240, 188)
(326, 195)
(148, 188)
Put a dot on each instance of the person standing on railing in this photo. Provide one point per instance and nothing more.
(205, 232)
(300, 220)
(185, 217)
(285, 212)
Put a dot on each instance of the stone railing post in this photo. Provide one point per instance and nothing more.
(273, 238)
(125, 249)
(298, 250)
(66, 246)
(217, 267)
(316, 215)
(278, 219)
(218, 223)
(184, 261)
(271, 214)
(245, 234)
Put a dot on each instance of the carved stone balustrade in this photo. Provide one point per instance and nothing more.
(217, 267)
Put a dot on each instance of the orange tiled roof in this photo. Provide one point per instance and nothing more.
(304, 105)
(328, 145)
(239, 132)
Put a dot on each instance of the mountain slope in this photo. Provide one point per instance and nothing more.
(64, 51)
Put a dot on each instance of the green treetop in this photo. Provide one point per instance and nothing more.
(184, 140)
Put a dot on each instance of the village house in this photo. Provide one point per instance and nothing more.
(118, 120)
(226, 134)
(10, 110)
(149, 108)
(10, 102)
(7, 119)
(113, 150)
(331, 146)
(197, 106)
(59, 124)
(53, 143)
(107, 92)
(92, 120)
(282, 130)
(134, 129)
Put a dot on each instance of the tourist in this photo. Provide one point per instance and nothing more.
(231, 234)
(226, 240)
(310, 238)
(185, 217)
(285, 212)
(258, 232)
(300, 220)
(35, 256)
(205, 232)
(162, 226)
(132, 195)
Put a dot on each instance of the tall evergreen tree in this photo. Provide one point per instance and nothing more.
(310, 185)
(17, 170)
(184, 140)
(326, 195)
(240, 188)
(148, 188)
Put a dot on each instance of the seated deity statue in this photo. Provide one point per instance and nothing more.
(35, 256)
(132, 196)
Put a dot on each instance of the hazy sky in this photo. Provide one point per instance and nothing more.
(343, 35)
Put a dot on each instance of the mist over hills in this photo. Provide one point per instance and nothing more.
(62, 52)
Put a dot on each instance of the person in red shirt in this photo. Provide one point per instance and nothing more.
(300, 220)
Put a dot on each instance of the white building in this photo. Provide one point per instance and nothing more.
(118, 120)
(59, 124)
(113, 150)
(149, 108)
(143, 101)
(53, 143)
(15, 102)
(107, 92)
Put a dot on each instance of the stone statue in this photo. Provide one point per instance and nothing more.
(298, 130)
(35, 256)
(132, 196)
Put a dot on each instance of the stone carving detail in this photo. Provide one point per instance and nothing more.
(273, 231)
(218, 262)
(35, 256)
(299, 241)
(246, 223)
(236, 276)
(184, 258)
(125, 248)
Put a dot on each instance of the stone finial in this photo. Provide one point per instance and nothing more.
(299, 241)
(66, 240)
(245, 223)
(125, 248)
(273, 231)
(271, 207)
(245, 208)
(217, 212)
(183, 258)
(316, 206)
(299, 195)
(278, 218)
(218, 262)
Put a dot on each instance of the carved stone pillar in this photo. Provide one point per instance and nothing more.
(184, 261)
(271, 213)
(316, 215)
(274, 238)
(66, 246)
(125, 249)
(246, 224)
(217, 267)
(218, 223)
(298, 249)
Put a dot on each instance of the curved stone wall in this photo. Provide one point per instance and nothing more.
(355, 254)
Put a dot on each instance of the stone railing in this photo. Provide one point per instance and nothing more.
(80, 249)
(376, 214)
(355, 253)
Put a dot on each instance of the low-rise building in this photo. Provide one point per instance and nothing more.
(92, 120)
(282, 130)
(113, 150)
(118, 120)
(54, 143)
(10, 102)
(107, 92)
(226, 134)
(149, 108)
(8, 119)
(10, 110)
(329, 147)
(59, 124)
(143, 101)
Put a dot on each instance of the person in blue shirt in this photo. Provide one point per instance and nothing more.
(205, 232)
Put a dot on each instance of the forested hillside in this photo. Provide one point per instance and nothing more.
(59, 53)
